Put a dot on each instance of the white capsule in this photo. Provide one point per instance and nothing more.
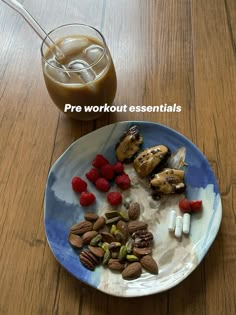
(172, 219)
(186, 223)
(178, 226)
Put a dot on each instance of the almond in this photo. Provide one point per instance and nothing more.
(123, 227)
(134, 226)
(142, 251)
(134, 211)
(115, 265)
(99, 224)
(107, 237)
(149, 264)
(88, 236)
(97, 251)
(81, 228)
(90, 216)
(132, 271)
(75, 240)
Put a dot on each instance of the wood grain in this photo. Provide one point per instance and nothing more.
(164, 51)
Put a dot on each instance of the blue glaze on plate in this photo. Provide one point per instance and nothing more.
(62, 208)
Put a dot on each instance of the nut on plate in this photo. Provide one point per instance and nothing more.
(134, 226)
(95, 240)
(122, 252)
(113, 220)
(91, 216)
(123, 227)
(169, 181)
(75, 240)
(150, 159)
(88, 259)
(99, 223)
(129, 144)
(106, 257)
(97, 251)
(149, 264)
(115, 264)
(88, 236)
(111, 214)
(107, 237)
(132, 271)
(142, 251)
(81, 228)
(142, 238)
(134, 211)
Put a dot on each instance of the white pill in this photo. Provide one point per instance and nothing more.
(186, 223)
(172, 219)
(178, 226)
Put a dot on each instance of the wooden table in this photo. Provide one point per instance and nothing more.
(165, 51)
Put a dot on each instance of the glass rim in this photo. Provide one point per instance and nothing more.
(74, 70)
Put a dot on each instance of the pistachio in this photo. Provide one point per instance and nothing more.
(112, 220)
(119, 236)
(129, 246)
(106, 257)
(95, 240)
(132, 258)
(99, 224)
(114, 245)
(111, 214)
(122, 253)
(113, 229)
(105, 246)
(90, 216)
(124, 215)
(123, 227)
(114, 254)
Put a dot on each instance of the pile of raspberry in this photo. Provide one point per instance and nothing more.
(102, 174)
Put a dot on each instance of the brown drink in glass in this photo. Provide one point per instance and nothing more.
(87, 75)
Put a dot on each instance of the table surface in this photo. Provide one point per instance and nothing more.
(165, 51)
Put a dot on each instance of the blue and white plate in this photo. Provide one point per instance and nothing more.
(176, 258)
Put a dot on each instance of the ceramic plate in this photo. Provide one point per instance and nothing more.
(176, 258)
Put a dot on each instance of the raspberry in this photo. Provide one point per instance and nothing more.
(78, 184)
(118, 167)
(86, 198)
(123, 181)
(99, 161)
(107, 171)
(114, 198)
(92, 175)
(102, 184)
(196, 205)
(184, 205)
